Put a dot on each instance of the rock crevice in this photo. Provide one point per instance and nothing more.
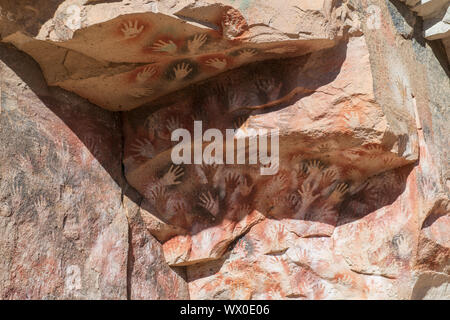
(94, 206)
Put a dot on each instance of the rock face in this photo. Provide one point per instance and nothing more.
(350, 199)
(66, 232)
(130, 59)
(436, 19)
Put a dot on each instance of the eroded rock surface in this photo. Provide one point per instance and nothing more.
(65, 231)
(333, 136)
(93, 205)
(125, 54)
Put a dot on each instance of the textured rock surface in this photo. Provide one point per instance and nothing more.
(105, 56)
(92, 205)
(351, 142)
(436, 19)
(64, 229)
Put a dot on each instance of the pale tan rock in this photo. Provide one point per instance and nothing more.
(357, 208)
(99, 51)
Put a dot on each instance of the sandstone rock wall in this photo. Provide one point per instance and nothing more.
(66, 231)
(93, 207)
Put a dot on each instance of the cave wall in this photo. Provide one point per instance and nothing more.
(92, 206)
